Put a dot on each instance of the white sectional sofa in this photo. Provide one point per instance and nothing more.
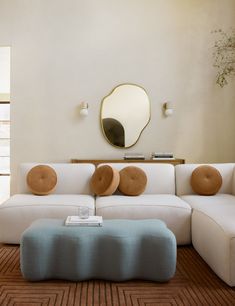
(72, 191)
(157, 202)
(213, 220)
(208, 220)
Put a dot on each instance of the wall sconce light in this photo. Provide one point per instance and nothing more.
(84, 109)
(167, 109)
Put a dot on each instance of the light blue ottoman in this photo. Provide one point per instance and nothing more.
(119, 250)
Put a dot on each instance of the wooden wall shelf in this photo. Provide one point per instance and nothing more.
(96, 162)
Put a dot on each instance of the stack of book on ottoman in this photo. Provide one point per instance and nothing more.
(90, 221)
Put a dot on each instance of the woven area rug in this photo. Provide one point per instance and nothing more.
(194, 284)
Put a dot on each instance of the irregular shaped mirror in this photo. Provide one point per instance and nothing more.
(125, 112)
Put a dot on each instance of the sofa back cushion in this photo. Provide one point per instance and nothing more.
(71, 178)
(160, 177)
(184, 172)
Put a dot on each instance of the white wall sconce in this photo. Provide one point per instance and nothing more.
(84, 109)
(167, 109)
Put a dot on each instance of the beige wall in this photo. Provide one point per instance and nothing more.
(68, 51)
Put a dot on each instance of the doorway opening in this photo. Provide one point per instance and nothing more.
(4, 123)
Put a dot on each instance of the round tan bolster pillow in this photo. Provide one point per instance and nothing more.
(41, 180)
(104, 180)
(133, 181)
(206, 180)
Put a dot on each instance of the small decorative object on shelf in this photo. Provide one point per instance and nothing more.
(90, 221)
(162, 155)
(136, 156)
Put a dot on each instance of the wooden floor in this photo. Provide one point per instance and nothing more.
(194, 284)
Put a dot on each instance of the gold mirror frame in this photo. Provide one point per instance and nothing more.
(141, 129)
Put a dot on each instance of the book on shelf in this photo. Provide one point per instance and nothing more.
(165, 155)
(135, 156)
(90, 221)
(163, 158)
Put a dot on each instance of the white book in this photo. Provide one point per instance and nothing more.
(90, 221)
(84, 224)
(162, 158)
(133, 155)
(162, 155)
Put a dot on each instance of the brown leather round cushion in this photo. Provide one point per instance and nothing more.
(133, 181)
(41, 180)
(104, 180)
(206, 180)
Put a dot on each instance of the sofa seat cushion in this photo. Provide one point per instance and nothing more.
(171, 209)
(17, 213)
(220, 207)
(50, 200)
(213, 232)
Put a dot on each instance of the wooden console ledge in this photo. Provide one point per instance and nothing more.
(96, 162)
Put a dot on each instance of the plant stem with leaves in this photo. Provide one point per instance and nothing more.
(224, 56)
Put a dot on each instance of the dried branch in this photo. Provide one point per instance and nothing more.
(224, 56)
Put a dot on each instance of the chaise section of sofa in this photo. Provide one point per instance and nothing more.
(72, 191)
(157, 202)
(213, 220)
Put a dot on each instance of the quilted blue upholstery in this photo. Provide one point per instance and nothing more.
(119, 250)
